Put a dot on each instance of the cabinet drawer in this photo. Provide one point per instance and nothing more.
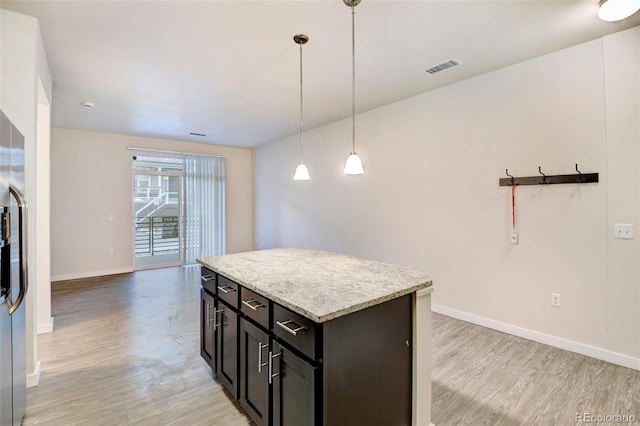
(228, 291)
(297, 330)
(255, 307)
(208, 280)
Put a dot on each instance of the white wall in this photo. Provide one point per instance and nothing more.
(42, 280)
(91, 179)
(622, 83)
(25, 83)
(430, 197)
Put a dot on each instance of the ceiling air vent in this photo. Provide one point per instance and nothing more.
(443, 66)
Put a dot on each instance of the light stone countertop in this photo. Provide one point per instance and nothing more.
(317, 284)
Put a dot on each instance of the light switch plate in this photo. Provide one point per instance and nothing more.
(623, 231)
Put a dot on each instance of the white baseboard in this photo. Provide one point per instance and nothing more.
(91, 274)
(623, 360)
(34, 378)
(547, 339)
(46, 327)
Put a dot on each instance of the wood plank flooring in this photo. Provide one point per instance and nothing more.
(484, 377)
(125, 351)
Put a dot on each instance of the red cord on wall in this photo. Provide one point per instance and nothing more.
(514, 233)
(513, 207)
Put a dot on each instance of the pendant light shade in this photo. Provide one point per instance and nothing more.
(302, 173)
(616, 10)
(353, 165)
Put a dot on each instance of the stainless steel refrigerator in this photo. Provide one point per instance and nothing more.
(13, 275)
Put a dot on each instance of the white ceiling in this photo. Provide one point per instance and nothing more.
(230, 70)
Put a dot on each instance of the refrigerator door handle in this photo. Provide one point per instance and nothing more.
(22, 240)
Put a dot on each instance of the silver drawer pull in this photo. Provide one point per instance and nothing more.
(253, 304)
(226, 289)
(291, 330)
(217, 324)
(209, 316)
(260, 363)
(207, 277)
(271, 373)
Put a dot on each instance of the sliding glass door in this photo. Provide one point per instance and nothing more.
(178, 208)
(157, 219)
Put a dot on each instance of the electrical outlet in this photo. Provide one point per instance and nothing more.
(514, 238)
(555, 299)
(623, 231)
(110, 218)
(110, 251)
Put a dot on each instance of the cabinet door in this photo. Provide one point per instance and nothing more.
(254, 379)
(294, 382)
(207, 332)
(226, 325)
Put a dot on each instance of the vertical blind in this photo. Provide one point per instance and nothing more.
(204, 207)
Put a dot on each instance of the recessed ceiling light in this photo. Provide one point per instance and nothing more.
(88, 104)
(197, 134)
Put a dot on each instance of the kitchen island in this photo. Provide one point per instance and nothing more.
(310, 337)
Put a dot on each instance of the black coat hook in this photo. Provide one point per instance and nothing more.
(544, 177)
(513, 179)
(579, 174)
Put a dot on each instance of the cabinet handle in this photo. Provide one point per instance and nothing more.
(285, 326)
(216, 324)
(253, 304)
(260, 364)
(226, 289)
(271, 373)
(206, 277)
(209, 319)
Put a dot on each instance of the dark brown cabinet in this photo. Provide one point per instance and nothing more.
(287, 370)
(226, 325)
(207, 330)
(254, 372)
(219, 325)
(294, 388)
(275, 380)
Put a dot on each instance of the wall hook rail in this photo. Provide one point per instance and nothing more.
(578, 177)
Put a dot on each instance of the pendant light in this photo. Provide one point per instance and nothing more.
(353, 166)
(302, 173)
(616, 10)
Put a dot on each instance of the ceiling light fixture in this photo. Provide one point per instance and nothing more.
(302, 173)
(616, 10)
(353, 166)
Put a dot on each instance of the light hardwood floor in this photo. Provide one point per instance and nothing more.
(125, 351)
(484, 377)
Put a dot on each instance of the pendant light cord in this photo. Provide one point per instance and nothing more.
(301, 138)
(353, 77)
